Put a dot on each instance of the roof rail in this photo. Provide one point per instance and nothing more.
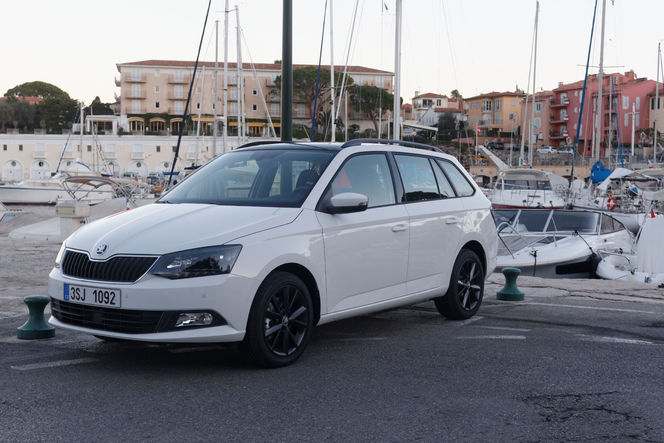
(386, 141)
(264, 142)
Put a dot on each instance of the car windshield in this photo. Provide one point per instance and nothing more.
(266, 177)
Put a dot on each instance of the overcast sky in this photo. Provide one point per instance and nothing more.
(474, 46)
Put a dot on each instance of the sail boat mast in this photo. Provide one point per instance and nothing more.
(397, 75)
(332, 91)
(532, 109)
(598, 109)
(654, 136)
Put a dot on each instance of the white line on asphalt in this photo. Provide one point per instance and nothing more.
(501, 328)
(596, 308)
(54, 364)
(469, 321)
(602, 339)
(493, 337)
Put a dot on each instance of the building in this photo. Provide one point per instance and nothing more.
(541, 124)
(620, 92)
(494, 114)
(656, 113)
(153, 94)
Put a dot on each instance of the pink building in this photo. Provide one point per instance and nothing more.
(624, 89)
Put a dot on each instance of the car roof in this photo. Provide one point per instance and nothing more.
(274, 144)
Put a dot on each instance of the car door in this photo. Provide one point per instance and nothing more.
(366, 253)
(435, 216)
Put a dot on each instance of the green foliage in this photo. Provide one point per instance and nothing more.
(36, 89)
(57, 112)
(447, 127)
(371, 99)
(455, 94)
(304, 86)
(6, 115)
(98, 108)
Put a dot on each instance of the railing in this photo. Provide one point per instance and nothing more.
(39, 154)
(110, 155)
(138, 155)
(139, 95)
(176, 97)
(132, 78)
(118, 81)
(178, 81)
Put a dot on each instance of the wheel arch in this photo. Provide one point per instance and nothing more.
(309, 280)
(477, 248)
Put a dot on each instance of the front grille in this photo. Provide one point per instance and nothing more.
(128, 321)
(124, 269)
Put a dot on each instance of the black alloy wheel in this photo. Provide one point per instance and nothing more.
(466, 289)
(280, 321)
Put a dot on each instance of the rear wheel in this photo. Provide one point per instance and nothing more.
(466, 289)
(280, 321)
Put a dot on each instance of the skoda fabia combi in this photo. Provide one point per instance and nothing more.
(264, 243)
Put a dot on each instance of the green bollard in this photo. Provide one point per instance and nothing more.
(510, 292)
(36, 326)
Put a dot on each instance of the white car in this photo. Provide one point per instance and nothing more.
(546, 150)
(265, 242)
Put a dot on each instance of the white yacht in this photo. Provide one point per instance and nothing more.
(524, 188)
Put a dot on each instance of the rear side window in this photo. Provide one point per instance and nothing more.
(444, 186)
(418, 178)
(458, 179)
(367, 174)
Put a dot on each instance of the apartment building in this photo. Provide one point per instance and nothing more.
(620, 94)
(540, 124)
(153, 94)
(656, 109)
(494, 113)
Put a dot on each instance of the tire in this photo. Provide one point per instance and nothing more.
(280, 321)
(464, 294)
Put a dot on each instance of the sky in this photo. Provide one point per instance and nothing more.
(475, 46)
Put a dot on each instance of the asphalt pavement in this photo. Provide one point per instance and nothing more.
(577, 360)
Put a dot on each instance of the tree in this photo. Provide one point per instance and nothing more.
(446, 126)
(98, 108)
(6, 115)
(57, 112)
(304, 86)
(455, 94)
(372, 100)
(36, 89)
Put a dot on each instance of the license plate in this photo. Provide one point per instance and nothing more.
(87, 295)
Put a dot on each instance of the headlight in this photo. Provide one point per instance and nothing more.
(61, 252)
(211, 260)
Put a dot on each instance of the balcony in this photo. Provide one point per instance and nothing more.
(118, 81)
(138, 155)
(562, 102)
(39, 154)
(560, 120)
(176, 97)
(136, 95)
(110, 155)
(184, 80)
(192, 155)
(132, 78)
(69, 153)
(558, 135)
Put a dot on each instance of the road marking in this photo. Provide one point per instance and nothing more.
(493, 337)
(54, 364)
(602, 339)
(469, 321)
(596, 308)
(501, 328)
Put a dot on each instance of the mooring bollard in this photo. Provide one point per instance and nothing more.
(36, 326)
(510, 292)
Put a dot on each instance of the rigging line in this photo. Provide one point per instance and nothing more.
(583, 99)
(350, 40)
(314, 112)
(57, 168)
(449, 44)
(260, 88)
(186, 107)
(525, 111)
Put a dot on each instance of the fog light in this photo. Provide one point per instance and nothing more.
(193, 319)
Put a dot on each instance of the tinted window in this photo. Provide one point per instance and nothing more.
(444, 186)
(583, 222)
(461, 185)
(417, 176)
(367, 174)
(270, 177)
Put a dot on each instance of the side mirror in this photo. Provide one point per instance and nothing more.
(346, 202)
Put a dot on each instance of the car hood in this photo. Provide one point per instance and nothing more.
(158, 229)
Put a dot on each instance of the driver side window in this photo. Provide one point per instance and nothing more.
(367, 174)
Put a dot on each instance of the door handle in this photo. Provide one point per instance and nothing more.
(399, 227)
(451, 220)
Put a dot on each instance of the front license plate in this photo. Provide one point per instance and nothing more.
(87, 295)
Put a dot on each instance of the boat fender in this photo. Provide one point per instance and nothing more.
(594, 262)
(611, 203)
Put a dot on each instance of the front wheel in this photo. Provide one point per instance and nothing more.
(280, 321)
(466, 289)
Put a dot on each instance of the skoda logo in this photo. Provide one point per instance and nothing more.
(102, 248)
